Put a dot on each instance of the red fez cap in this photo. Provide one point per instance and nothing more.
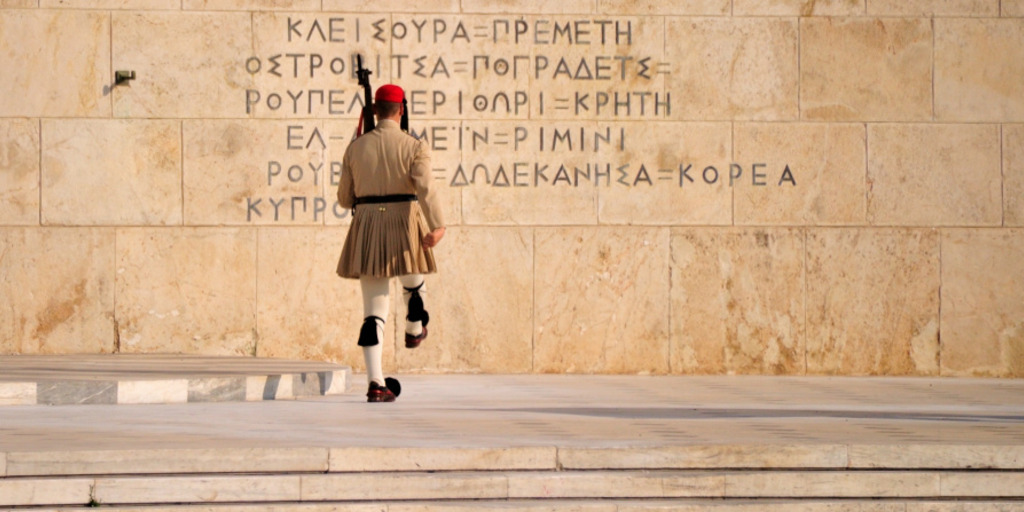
(389, 92)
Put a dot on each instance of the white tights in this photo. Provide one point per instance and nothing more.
(377, 303)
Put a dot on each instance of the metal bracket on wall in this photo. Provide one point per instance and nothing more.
(121, 77)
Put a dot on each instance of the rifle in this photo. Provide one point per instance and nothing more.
(366, 122)
(405, 116)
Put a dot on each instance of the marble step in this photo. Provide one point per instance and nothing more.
(162, 379)
(585, 505)
(514, 485)
(509, 458)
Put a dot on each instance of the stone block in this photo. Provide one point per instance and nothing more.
(936, 457)
(70, 392)
(498, 505)
(188, 65)
(392, 6)
(19, 172)
(247, 172)
(705, 457)
(1012, 8)
(187, 290)
(579, 485)
(481, 304)
(823, 505)
(983, 302)
(303, 63)
(934, 175)
(660, 174)
(524, 174)
(737, 301)
(944, 8)
(531, 6)
(797, 8)
(404, 486)
(872, 302)
(733, 68)
(1013, 175)
(983, 484)
(63, 63)
(465, 66)
(865, 69)
(304, 310)
(615, 485)
(319, 383)
(978, 63)
(826, 184)
(610, 69)
(17, 393)
(111, 172)
(197, 489)
(832, 484)
(251, 5)
(167, 461)
(6, 4)
(266, 507)
(655, 7)
(217, 389)
(361, 459)
(965, 506)
(269, 387)
(37, 491)
(148, 5)
(71, 305)
(153, 391)
(594, 288)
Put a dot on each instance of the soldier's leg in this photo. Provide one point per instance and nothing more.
(416, 318)
(375, 311)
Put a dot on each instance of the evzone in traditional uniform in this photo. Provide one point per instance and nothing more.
(386, 178)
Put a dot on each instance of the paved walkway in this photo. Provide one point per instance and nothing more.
(554, 410)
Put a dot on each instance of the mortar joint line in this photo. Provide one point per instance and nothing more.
(934, 112)
(1002, 173)
(938, 335)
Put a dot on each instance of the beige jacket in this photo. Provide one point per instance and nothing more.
(389, 161)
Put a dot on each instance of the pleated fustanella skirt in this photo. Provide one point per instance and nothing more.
(385, 240)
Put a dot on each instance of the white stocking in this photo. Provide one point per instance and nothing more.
(375, 303)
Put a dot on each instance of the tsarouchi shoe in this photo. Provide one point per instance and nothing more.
(414, 341)
(378, 393)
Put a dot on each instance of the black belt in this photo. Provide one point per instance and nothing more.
(394, 198)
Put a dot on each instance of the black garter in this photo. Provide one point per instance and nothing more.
(416, 311)
(368, 333)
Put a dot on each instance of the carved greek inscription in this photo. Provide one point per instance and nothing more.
(471, 69)
(297, 139)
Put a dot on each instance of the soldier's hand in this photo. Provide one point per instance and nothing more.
(433, 238)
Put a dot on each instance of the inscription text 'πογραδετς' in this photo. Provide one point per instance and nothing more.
(621, 68)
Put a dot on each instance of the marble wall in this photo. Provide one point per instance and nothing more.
(788, 187)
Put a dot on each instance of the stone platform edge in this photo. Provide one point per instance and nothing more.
(228, 388)
(360, 459)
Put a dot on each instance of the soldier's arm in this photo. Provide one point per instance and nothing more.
(426, 189)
